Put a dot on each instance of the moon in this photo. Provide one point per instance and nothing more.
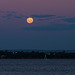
(29, 20)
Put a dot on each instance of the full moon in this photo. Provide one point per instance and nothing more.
(29, 20)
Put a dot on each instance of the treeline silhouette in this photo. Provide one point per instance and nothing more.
(36, 55)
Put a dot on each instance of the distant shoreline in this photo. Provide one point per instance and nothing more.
(36, 55)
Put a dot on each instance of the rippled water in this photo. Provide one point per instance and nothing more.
(37, 67)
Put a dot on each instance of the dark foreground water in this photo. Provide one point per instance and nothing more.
(37, 67)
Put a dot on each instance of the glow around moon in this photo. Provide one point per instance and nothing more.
(29, 20)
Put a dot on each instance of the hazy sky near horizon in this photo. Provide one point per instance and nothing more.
(53, 26)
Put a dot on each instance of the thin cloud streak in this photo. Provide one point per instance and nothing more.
(42, 16)
(69, 20)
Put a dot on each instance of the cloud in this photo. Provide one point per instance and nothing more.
(11, 14)
(60, 16)
(52, 27)
(42, 19)
(70, 20)
(18, 16)
(8, 16)
(7, 12)
(1, 11)
(42, 16)
(3, 16)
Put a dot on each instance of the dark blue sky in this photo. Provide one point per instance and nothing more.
(53, 26)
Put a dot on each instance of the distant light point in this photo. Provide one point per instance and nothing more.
(29, 20)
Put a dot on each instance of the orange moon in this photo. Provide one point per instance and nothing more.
(29, 20)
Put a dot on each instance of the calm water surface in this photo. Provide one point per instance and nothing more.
(37, 67)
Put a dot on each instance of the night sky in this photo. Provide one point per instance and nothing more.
(53, 27)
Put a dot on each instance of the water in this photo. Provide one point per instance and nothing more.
(37, 67)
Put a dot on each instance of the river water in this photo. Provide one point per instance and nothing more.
(37, 67)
